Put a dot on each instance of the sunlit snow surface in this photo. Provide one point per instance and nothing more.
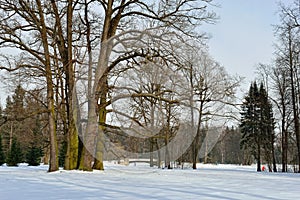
(142, 182)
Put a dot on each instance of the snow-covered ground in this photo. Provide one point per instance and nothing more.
(142, 182)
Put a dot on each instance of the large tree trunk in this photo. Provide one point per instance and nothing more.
(258, 159)
(53, 166)
(284, 140)
(199, 138)
(80, 134)
(98, 162)
(66, 53)
(88, 138)
(72, 148)
(101, 86)
(88, 150)
(274, 161)
(273, 152)
(167, 131)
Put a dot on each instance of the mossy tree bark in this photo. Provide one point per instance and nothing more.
(65, 49)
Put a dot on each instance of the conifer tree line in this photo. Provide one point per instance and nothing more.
(22, 136)
(114, 79)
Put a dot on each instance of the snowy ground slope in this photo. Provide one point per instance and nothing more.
(142, 182)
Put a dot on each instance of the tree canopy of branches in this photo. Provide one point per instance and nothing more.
(90, 57)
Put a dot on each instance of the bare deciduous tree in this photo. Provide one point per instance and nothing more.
(287, 58)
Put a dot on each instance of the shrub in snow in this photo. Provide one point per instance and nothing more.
(33, 156)
(14, 156)
(62, 154)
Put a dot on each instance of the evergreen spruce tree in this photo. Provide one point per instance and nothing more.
(257, 124)
(267, 127)
(34, 154)
(14, 156)
(250, 124)
(2, 156)
(62, 154)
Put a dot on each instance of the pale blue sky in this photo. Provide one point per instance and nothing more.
(243, 37)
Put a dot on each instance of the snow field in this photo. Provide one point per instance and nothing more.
(142, 182)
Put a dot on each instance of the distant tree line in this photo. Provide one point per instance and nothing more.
(227, 150)
(23, 138)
